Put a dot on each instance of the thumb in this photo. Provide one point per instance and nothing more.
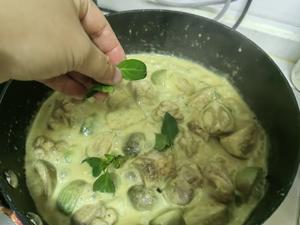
(97, 66)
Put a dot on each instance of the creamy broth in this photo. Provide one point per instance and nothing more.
(213, 174)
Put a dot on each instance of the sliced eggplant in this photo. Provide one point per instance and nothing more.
(171, 217)
(179, 191)
(134, 144)
(87, 213)
(247, 180)
(142, 198)
(69, 196)
(158, 77)
(87, 127)
(211, 214)
(47, 177)
(240, 144)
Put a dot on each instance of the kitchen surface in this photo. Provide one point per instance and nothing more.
(272, 25)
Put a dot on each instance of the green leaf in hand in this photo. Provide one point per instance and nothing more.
(104, 88)
(161, 142)
(133, 69)
(104, 184)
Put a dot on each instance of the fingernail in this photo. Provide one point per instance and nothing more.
(117, 77)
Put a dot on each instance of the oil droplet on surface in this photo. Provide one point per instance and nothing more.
(11, 178)
(34, 218)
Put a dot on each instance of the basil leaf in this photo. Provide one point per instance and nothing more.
(98, 165)
(116, 160)
(104, 184)
(161, 142)
(104, 88)
(133, 69)
(119, 161)
(169, 127)
(109, 157)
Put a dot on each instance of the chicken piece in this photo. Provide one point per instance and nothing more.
(207, 214)
(218, 182)
(241, 143)
(43, 145)
(216, 119)
(184, 85)
(192, 175)
(155, 166)
(203, 96)
(142, 91)
(195, 127)
(167, 106)
(121, 119)
(101, 145)
(61, 114)
(188, 143)
(96, 214)
(87, 213)
(179, 191)
(120, 98)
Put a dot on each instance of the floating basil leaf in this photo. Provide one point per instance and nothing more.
(98, 165)
(69, 196)
(169, 127)
(169, 132)
(119, 161)
(133, 69)
(161, 142)
(104, 184)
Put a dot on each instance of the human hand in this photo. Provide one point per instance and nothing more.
(65, 44)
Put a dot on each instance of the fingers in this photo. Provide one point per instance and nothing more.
(97, 66)
(73, 84)
(101, 33)
(84, 80)
(66, 85)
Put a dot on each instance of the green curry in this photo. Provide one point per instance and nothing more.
(213, 172)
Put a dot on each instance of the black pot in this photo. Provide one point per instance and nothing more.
(204, 41)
